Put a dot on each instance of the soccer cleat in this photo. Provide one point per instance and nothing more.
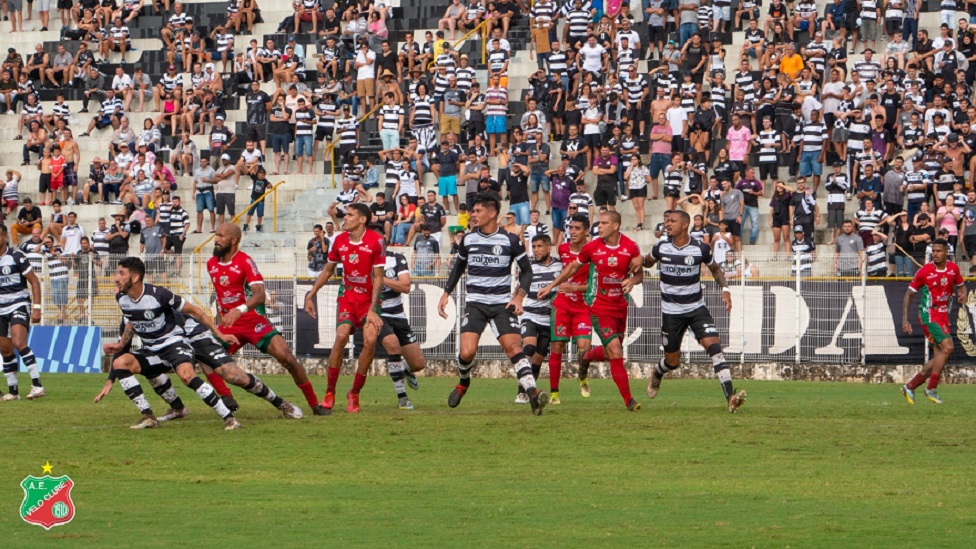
(933, 396)
(320, 410)
(353, 406)
(230, 403)
(521, 398)
(411, 378)
(554, 398)
(231, 423)
(585, 388)
(456, 395)
(633, 405)
(290, 410)
(148, 421)
(538, 400)
(909, 394)
(36, 392)
(653, 386)
(173, 413)
(736, 400)
(9, 397)
(328, 401)
(404, 404)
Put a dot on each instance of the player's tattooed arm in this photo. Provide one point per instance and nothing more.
(568, 272)
(719, 277)
(126, 336)
(202, 317)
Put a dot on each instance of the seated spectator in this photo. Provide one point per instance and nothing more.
(404, 221)
(28, 219)
(10, 197)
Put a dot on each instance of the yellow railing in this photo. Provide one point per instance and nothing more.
(483, 26)
(328, 150)
(273, 191)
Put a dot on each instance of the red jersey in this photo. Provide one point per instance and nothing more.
(936, 288)
(612, 267)
(57, 167)
(232, 281)
(358, 260)
(571, 299)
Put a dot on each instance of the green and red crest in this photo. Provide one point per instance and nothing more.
(47, 501)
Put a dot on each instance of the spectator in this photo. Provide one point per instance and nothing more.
(71, 235)
(804, 252)
(849, 251)
(318, 249)
(404, 221)
(28, 219)
(57, 272)
(732, 202)
(446, 163)
(225, 188)
(426, 253)
(804, 209)
(752, 191)
(10, 188)
(258, 189)
(86, 263)
(151, 238)
(383, 214)
(867, 220)
(99, 239)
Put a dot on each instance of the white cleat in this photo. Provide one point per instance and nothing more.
(173, 414)
(522, 398)
(9, 397)
(148, 421)
(231, 424)
(36, 392)
(291, 411)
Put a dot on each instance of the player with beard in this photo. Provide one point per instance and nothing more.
(536, 331)
(240, 305)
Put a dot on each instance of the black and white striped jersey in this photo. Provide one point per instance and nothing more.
(34, 252)
(347, 131)
(877, 263)
(423, 111)
(535, 309)
(14, 268)
(391, 302)
(813, 136)
(153, 317)
(490, 258)
(768, 139)
(681, 288)
(57, 269)
(390, 117)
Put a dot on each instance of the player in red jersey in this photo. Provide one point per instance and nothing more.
(570, 313)
(618, 268)
(240, 308)
(363, 257)
(935, 282)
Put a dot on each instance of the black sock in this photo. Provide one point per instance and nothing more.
(207, 394)
(464, 372)
(724, 376)
(164, 388)
(10, 367)
(257, 387)
(30, 362)
(536, 370)
(662, 368)
(130, 385)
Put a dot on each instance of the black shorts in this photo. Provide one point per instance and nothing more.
(478, 316)
(158, 362)
(541, 333)
(605, 195)
(324, 132)
(593, 141)
(19, 316)
(969, 242)
(255, 132)
(155, 264)
(174, 243)
(225, 202)
(638, 193)
(656, 34)
(672, 191)
(208, 351)
(734, 227)
(767, 170)
(673, 327)
(85, 287)
(892, 26)
(399, 327)
(44, 183)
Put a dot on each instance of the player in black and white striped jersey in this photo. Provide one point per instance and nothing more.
(19, 307)
(536, 316)
(152, 312)
(487, 256)
(404, 356)
(683, 304)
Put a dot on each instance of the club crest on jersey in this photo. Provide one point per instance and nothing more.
(354, 258)
(560, 331)
(224, 280)
(497, 250)
(47, 500)
(148, 315)
(6, 270)
(612, 261)
(689, 260)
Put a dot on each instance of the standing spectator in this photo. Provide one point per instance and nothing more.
(71, 235)
(365, 66)
(318, 249)
(733, 202)
(224, 179)
(969, 226)
(57, 271)
(849, 251)
(605, 169)
(11, 196)
(562, 187)
(446, 163)
(86, 266)
(661, 139)
(151, 247)
(867, 219)
(779, 218)
(118, 238)
(740, 143)
(752, 190)
(517, 184)
(837, 188)
(177, 227)
(426, 253)
(688, 18)
(804, 252)
(920, 236)
(261, 185)
(804, 210)
(99, 239)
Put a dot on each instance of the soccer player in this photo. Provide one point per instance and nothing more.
(152, 312)
(487, 255)
(617, 260)
(570, 312)
(240, 304)
(18, 309)
(683, 304)
(935, 281)
(363, 257)
(536, 315)
(403, 351)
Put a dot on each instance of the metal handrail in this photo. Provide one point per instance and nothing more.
(484, 39)
(272, 191)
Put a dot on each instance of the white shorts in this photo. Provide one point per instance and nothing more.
(43, 5)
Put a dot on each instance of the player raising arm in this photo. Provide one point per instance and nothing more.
(683, 304)
(934, 282)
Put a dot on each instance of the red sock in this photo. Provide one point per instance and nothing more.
(333, 379)
(934, 381)
(596, 354)
(916, 381)
(619, 374)
(358, 382)
(309, 393)
(218, 384)
(555, 370)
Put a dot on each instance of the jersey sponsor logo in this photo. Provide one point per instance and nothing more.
(484, 260)
(184, 351)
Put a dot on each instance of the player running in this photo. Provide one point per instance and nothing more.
(570, 314)
(935, 282)
(536, 332)
(240, 305)
(487, 255)
(617, 260)
(153, 313)
(16, 315)
(363, 258)
(683, 304)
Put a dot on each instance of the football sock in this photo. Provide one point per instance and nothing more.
(218, 384)
(209, 397)
(30, 362)
(333, 379)
(596, 354)
(934, 381)
(10, 372)
(722, 371)
(164, 388)
(916, 381)
(536, 371)
(663, 368)
(523, 371)
(394, 365)
(257, 387)
(464, 372)
(555, 370)
(133, 390)
(358, 382)
(309, 393)
(619, 375)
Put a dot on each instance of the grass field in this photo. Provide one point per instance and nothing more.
(803, 464)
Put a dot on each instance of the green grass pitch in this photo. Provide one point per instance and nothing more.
(802, 465)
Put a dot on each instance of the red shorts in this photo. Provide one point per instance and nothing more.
(352, 309)
(609, 320)
(56, 184)
(936, 327)
(251, 328)
(570, 321)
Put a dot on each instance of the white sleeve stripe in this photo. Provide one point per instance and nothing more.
(261, 282)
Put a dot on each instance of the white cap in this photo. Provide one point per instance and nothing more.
(225, 156)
